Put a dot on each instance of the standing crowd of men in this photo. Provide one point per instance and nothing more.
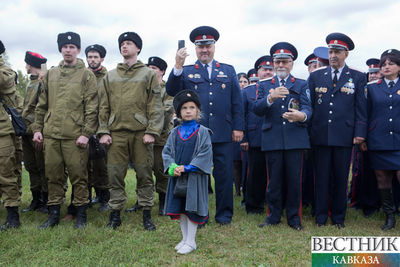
(89, 124)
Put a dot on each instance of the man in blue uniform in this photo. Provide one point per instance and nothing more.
(253, 76)
(318, 59)
(339, 121)
(284, 103)
(257, 174)
(222, 112)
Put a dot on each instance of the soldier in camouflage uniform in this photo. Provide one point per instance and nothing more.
(130, 117)
(159, 66)
(67, 116)
(9, 187)
(33, 153)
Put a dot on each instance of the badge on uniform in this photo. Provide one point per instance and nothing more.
(294, 104)
(223, 86)
(348, 88)
(221, 75)
(319, 99)
(197, 76)
(190, 76)
(321, 90)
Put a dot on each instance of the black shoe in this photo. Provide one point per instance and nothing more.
(81, 217)
(134, 208)
(224, 223)
(266, 224)
(44, 208)
(147, 223)
(12, 220)
(161, 202)
(320, 224)
(297, 227)
(104, 197)
(339, 225)
(54, 218)
(368, 212)
(36, 202)
(115, 219)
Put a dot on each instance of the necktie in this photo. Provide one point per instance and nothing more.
(391, 84)
(335, 78)
(282, 82)
(208, 71)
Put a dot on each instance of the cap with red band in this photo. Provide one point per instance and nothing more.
(339, 41)
(283, 50)
(204, 35)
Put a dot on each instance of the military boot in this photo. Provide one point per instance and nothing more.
(103, 199)
(44, 208)
(81, 217)
(35, 203)
(388, 208)
(12, 220)
(54, 218)
(161, 202)
(115, 219)
(134, 208)
(147, 223)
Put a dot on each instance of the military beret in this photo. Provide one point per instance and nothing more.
(339, 41)
(252, 75)
(131, 36)
(283, 50)
(68, 38)
(393, 52)
(185, 96)
(265, 62)
(158, 62)
(373, 64)
(2, 48)
(310, 59)
(34, 59)
(204, 35)
(98, 48)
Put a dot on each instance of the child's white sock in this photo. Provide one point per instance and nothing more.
(190, 243)
(183, 224)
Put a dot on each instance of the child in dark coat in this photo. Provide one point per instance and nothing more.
(187, 155)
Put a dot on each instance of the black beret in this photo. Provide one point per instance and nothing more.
(185, 96)
(158, 62)
(2, 48)
(393, 52)
(34, 59)
(204, 35)
(132, 36)
(68, 38)
(339, 41)
(98, 48)
(283, 50)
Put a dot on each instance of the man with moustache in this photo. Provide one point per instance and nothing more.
(65, 118)
(222, 109)
(130, 118)
(339, 121)
(33, 152)
(284, 103)
(97, 167)
(257, 174)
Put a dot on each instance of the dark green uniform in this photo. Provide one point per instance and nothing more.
(130, 107)
(98, 176)
(158, 167)
(67, 109)
(9, 187)
(33, 159)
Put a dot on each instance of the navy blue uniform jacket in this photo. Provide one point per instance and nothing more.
(340, 113)
(383, 116)
(277, 132)
(220, 97)
(253, 122)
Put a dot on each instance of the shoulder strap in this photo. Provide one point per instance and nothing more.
(38, 93)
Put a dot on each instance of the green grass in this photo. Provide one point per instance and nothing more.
(240, 244)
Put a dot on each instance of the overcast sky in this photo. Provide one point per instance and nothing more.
(247, 28)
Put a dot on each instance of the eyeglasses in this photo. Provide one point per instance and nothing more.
(282, 61)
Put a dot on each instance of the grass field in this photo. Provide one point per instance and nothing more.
(240, 244)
